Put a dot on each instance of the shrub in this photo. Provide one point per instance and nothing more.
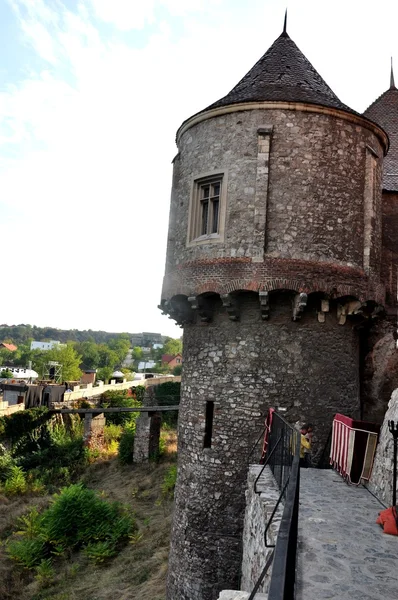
(126, 447)
(77, 518)
(55, 453)
(15, 482)
(21, 423)
(6, 464)
(122, 398)
(45, 573)
(138, 392)
(168, 394)
(27, 553)
(169, 482)
(112, 433)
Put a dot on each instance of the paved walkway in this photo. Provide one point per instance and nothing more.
(342, 553)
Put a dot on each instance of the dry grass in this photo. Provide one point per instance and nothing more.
(138, 572)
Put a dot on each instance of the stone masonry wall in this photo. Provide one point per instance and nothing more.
(381, 479)
(315, 196)
(259, 507)
(244, 367)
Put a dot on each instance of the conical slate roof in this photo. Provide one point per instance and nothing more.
(283, 74)
(384, 112)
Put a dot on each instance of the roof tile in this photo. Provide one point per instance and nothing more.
(384, 112)
(284, 74)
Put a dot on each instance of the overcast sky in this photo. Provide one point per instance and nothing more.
(91, 95)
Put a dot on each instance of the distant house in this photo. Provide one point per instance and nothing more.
(172, 360)
(46, 345)
(144, 365)
(88, 376)
(9, 347)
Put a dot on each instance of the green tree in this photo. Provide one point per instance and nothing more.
(66, 356)
(90, 354)
(6, 373)
(173, 346)
(6, 357)
(137, 353)
(104, 374)
(108, 357)
(120, 346)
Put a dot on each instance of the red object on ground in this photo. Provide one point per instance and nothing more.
(388, 520)
(353, 448)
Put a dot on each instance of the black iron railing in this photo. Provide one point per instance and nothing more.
(283, 458)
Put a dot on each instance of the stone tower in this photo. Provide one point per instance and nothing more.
(380, 374)
(273, 259)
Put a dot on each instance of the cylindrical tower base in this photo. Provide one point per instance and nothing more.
(233, 372)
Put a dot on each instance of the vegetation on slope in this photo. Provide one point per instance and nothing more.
(138, 570)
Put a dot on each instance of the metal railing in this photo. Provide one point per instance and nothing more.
(283, 458)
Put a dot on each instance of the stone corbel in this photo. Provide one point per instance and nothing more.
(354, 307)
(299, 304)
(229, 302)
(324, 309)
(341, 314)
(202, 307)
(181, 314)
(264, 305)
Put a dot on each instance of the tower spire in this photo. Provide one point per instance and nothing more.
(392, 82)
(284, 32)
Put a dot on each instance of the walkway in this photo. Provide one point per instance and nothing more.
(342, 553)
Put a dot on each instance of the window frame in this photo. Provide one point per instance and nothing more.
(195, 215)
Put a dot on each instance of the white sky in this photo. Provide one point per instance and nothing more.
(91, 95)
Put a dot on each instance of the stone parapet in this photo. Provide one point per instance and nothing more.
(380, 483)
(234, 595)
(259, 507)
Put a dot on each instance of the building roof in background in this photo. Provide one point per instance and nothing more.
(10, 347)
(384, 112)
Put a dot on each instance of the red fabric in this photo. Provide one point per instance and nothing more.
(388, 520)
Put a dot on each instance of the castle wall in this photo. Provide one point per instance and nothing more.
(244, 367)
(381, 481)
(389, 263)
(314, 206)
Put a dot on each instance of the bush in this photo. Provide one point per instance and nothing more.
(126, 447)
(138, 392)
(15, 482)
(112, 399)
(54, 453)
(22, 423)
(6, 464)
(77, 519)
(112, 433)
(169, 482)
(45, 573)
(168, 394)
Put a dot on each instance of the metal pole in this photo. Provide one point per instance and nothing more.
(393, 427)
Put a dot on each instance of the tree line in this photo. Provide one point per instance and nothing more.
(77, 356)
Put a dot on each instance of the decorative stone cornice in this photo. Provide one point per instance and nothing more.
(299, 304)
(230, 303)
(294, 106)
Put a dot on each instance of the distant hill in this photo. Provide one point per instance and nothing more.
(22, 333)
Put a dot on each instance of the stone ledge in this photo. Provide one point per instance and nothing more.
(234, 595)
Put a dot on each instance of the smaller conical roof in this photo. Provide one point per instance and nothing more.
(282, 74)
(384, 112)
